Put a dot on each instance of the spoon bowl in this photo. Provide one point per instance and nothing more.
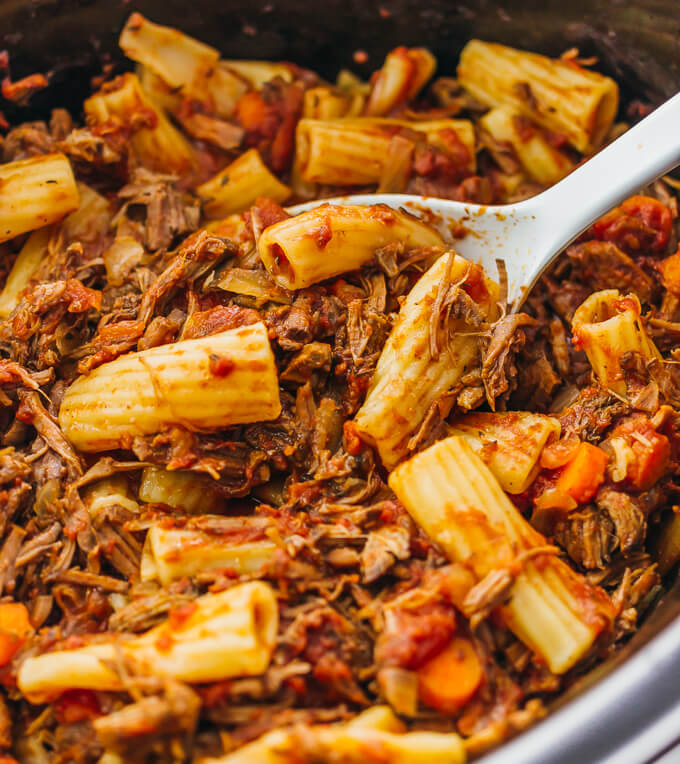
(528, 236)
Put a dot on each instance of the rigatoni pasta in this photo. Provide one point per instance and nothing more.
(156, 142)
(236, 187)
(455, 498)
(216, 381)
(225, 635)
(29, 258)
(326, 103)
(34, 193)
(376, 730)
(173, 553)
(178, 59)
(173, 66)
(509, 443)
(348, 152)
(540, 160)
(401, 78)
(559, 95)
(110, 493)
(333, 239)
(409, 378)
(606, 326)
(178, 489)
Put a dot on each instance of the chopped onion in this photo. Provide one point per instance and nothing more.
(400, 689)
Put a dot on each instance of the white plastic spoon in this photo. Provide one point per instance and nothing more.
(528, 235)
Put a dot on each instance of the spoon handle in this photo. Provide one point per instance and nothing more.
(643, 153)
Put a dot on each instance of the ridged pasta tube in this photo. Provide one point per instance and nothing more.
(607, 325)
(23, 268)
(325, 103)
(555, 94)
(509, 443)
(454, 497)
(400, 78)
(217, 381)
(172, 553)
(239, 184)
(258, 73)
(155, 141)
(178, 489)
(86, 222)
(34, 193)
(541, 161)
(374, 735)
(178, 59)
(349, 152)
(333, 239)
(407, 380)
(109, 492)
(226, 635)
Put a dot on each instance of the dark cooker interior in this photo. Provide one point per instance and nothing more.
(636, 41)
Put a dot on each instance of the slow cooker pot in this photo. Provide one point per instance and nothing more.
(627, 710)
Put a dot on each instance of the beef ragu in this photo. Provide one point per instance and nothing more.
(299, 488)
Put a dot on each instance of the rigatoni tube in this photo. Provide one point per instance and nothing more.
(171, 553)
(408, 379)
(155, 141)
(455, 498)
(349, 152)
(23, 268)
(510, 443)
(376, 734)
(34, 193)
(607, 325)
(539, 158)
(400, 79)
(333, 239)
(226, 635)
(258, 73)
(217, 381)
(556, 94)
(181, 490)
(109, 492)
(239, 184)
(325, 103)
(178, 59)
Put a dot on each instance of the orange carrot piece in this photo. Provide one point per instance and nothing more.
(447, 681)
(670, 272)
(584, 474)
(15, 627)
(252, 111)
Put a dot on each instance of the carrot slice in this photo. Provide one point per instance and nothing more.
(447, 681)
(584, 474)
(15, 627)
(670, 272)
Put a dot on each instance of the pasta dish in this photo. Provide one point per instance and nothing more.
(300, 488)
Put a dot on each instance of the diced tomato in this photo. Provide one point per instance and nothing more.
(76, 706)
(178, 616)
(353, 443)
(584, 474)
(640, 223)
(651, 449)
(411, 638)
